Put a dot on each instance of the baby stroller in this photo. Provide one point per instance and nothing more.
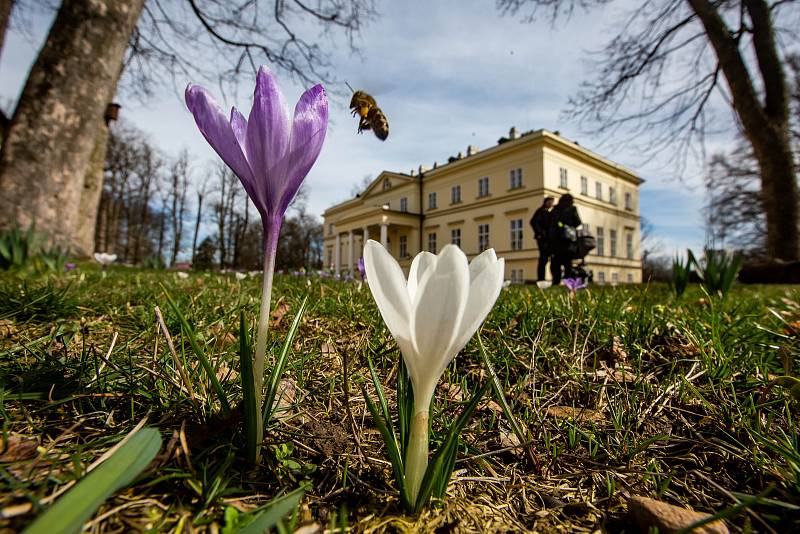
(583, 245)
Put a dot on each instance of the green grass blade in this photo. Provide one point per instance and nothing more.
(405, 406)
(273, 381)
(249, 398)
(500, 396)
(439, 470)
(207, 367)
(381, 395)
(75, 507)
(276, 510)
(392, 449)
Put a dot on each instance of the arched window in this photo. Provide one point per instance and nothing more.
(387, 183)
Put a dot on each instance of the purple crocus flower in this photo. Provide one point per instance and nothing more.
(271, 152)
(69, 267)
(361, 269)
(574, 284)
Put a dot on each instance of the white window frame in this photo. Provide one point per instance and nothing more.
(629, 245)
(563, 178)
(484, 236)
(598, 190)
(483, 187)
(432, 242)
(432, 200)
(515, 178)
(455, 236)
(455, 194)
(584, 186)
(403, 246)
(515, 226)
(612, 242)
(600, 241)
(628, 201)
(404, 204)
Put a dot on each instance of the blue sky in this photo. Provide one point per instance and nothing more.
(447, 74)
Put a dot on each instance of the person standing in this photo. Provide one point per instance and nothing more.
(564, 222)
(540, 222)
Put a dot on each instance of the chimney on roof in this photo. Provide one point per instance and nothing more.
(513, 133)
(412, 172)
(460, 155)
(472, 150)
(422, 168)
(435, 164)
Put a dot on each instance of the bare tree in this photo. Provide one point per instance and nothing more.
(129, 222)
(733, 212)
(179, 189)
(362, 185)
(201, 191)
(659, 76)
(223, 211)
(50, 138)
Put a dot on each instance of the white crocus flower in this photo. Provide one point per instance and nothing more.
(104, 258)
(432, 316)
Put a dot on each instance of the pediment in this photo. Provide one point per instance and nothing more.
(378, 185)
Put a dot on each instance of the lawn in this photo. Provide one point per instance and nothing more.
(622, 391)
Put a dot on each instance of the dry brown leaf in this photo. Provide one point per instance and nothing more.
(585, 415)
(453, 391)
(618, 351)
(286, 395)
(224, 372)
(313, 528)
(491, 405)
(7, 328)
(508, 438)
(279, 311)
(16, 447)
(649, 513)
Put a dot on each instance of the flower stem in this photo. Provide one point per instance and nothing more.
(417, 454)
(271, 232)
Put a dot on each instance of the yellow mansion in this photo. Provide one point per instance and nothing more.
(485, 199)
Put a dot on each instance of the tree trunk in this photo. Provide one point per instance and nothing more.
(83, 243)
(52, 134)
(765, 124)
(197, 225)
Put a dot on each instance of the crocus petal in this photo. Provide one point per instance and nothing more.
(267, 139)
(435, 316)
(481, 261)
(483, 292)
(421, 263)
(214, 126)
(239, 127)
(309, 126)
(388, 286)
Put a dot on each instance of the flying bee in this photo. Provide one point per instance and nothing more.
(371, 116)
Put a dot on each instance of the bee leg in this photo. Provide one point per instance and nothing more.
(363, 124)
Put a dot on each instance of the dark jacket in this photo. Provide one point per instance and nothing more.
(541, 223)
(563, 216)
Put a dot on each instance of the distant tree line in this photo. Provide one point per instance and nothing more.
(158, 210)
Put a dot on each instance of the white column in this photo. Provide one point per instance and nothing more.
(384, 234)
(336, 254)
(364, 239)
(351, 250)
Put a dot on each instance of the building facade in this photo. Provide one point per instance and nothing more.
(485, 199)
